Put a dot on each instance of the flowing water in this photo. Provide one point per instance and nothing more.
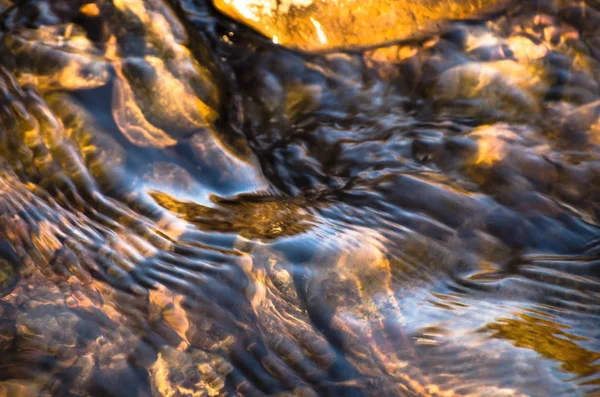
(189, 209)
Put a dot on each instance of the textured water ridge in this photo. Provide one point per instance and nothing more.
(189, 209)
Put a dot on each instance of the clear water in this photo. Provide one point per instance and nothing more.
(188, 209)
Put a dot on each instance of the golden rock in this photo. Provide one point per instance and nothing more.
(320, 25)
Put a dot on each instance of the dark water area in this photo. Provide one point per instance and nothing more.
(189, 209)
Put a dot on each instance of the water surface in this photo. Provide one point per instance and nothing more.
(189, 209)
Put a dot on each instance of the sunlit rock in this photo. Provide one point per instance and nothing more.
(316, 25)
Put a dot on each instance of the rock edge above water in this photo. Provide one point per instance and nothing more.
(323, 25)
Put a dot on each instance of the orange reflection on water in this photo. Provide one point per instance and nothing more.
(549, 339)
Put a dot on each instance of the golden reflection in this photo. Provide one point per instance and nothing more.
(314, 25)
(501, 89)
(99, 155)
(46, 240)
(163, 93)
(166, 306)
(493, 143)
(90, 10)
(148, 101)
(356, 285)
(86, 294)
(131, 120)
(57, 57)
(526, 50)
(191, 374)
(549, 339)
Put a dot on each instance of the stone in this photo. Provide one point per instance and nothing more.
(319, 25)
